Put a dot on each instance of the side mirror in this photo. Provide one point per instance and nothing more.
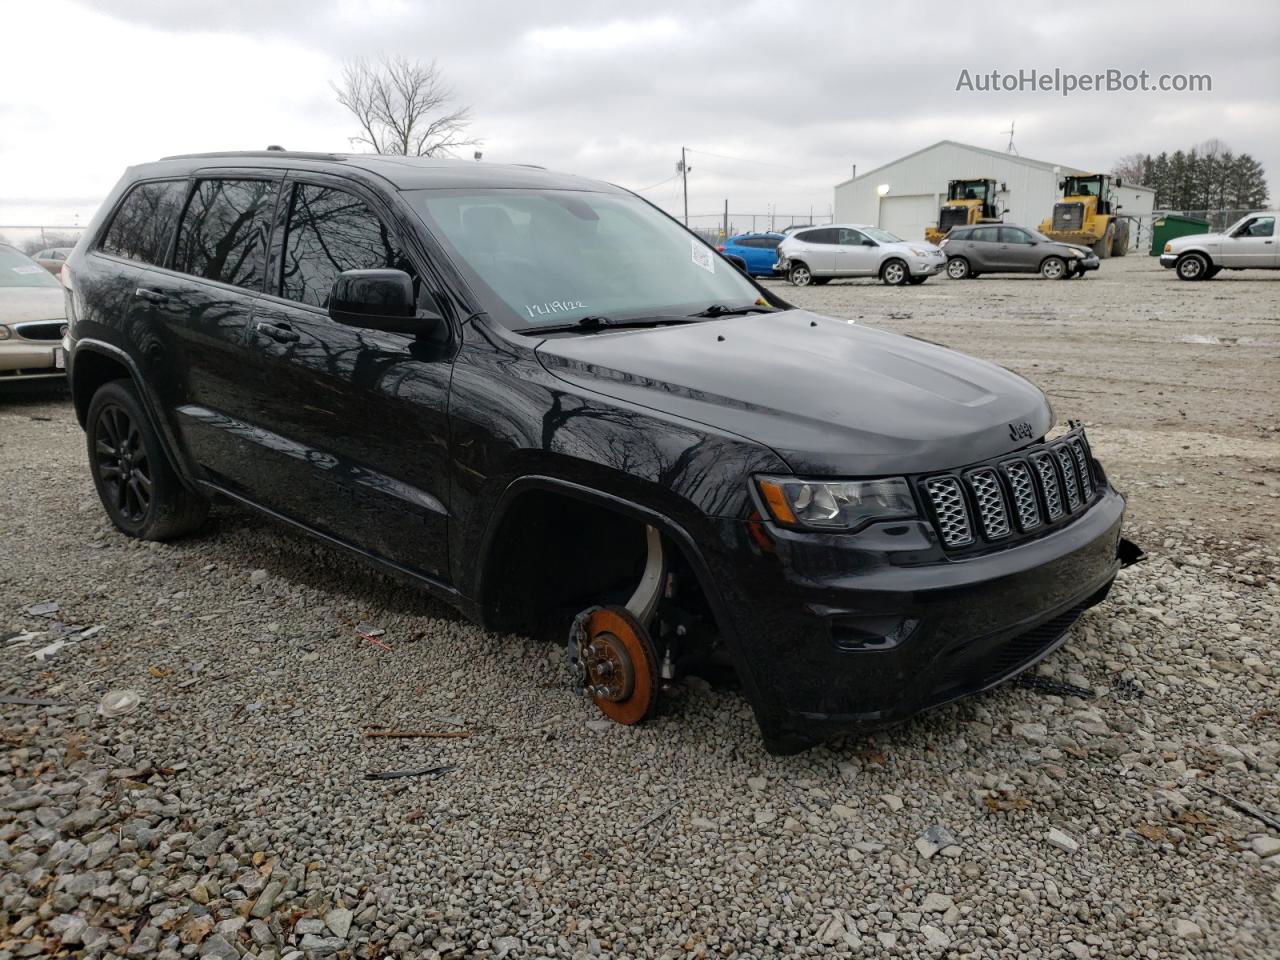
(1119, 182)
(737, 261)
(379, 300)
(868, 242)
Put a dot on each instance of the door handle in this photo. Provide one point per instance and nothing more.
(279, 332)
(153, 296)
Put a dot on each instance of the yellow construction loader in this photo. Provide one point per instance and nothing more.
(968, 201)
(1089, 215)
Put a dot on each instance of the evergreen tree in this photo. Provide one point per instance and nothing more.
(1207, 177)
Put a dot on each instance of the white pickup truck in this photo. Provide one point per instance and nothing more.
(1248, 244)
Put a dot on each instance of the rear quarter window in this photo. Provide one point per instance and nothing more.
(144, 221)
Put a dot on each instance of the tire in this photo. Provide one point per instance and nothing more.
(894, 273)
(1054, 268)
(153, 504)
(916, 281)
(958, 268)
(1192, 266)
(1104, 246)
(800, 275)
(1121, 245)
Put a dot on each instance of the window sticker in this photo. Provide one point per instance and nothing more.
(702, 257)
(537, 311)
(27, 268)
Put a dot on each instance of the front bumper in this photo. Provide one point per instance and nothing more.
(1167, 260)
(28, 360)
(927, 267)
(1085, 264)
(805, 605)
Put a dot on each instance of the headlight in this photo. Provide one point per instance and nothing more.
(1074, 254)
(917, 252)
(4, 332)
(836, 504)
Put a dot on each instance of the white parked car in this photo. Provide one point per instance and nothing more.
(33, 320)
(1248, 244)
(820, 254)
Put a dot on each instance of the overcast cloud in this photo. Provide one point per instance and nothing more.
(799, 92)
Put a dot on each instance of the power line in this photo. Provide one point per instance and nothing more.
(725, 156)
(654, 186)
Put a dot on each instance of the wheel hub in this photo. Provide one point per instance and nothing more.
(617, 663)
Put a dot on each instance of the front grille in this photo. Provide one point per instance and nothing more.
(1068, 216)
(1023, 494)
(1023, 489)
(950, 510)
(950, 217)
(40, 329)
(990, 503)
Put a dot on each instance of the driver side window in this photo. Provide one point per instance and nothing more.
(1261, 227)
(331, 231)
(850, 238)
(1014, 235)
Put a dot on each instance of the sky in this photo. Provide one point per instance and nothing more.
(776, 100)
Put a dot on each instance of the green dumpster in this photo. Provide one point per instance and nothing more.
(1165, 228)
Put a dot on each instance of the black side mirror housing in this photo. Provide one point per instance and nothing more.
(1119, 182)
(736, 260)
(379, 300)
(868, 242)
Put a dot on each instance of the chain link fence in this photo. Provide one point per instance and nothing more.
(716, 227)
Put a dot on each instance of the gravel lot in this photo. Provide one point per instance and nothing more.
(228, 814)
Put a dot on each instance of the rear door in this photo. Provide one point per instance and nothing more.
(352, 423)
(201, 300)
(818, 249)
(761, 254)
(855, 257)
(984, 252)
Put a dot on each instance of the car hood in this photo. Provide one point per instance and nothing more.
(20, 304)
(1195, 240)
(831, 397)
(1079, 248)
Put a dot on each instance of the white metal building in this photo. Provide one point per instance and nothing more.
(903, 196)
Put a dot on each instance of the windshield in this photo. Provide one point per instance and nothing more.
(880, 236)
(973, 190)
(550, 257)
(19, 270)
(1083, 187)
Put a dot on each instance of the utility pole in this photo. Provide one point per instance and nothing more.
(682, 168)
(724, 231)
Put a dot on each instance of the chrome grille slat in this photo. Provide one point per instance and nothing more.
(990, 501)
(1082, 465)
(1025, 505)
(953, 514)
(1049, 485)
(1069, 481)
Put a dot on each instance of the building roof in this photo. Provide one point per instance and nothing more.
(998, 154)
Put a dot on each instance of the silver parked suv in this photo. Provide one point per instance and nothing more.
(1005, 248)
(820, 254)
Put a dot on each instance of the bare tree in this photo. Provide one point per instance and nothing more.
(403, 107)
(1132, 168)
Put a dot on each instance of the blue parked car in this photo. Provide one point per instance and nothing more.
(758, 250)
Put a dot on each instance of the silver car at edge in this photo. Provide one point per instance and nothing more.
(1007, 248)
(820, 254)
(1248, 244)
(33, 314)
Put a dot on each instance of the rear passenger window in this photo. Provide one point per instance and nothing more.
(331, 231)
(985, 235)
(224, 231)
(143, 224)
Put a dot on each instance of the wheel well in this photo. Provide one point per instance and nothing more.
(553, 555)
(889, 260)
(91, 371)
(797, 262)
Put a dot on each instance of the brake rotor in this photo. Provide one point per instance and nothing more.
(621, 665)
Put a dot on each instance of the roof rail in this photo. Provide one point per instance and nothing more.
(257, 154)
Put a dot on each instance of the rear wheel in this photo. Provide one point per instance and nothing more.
(1053, 268)
(958, 268)
(1103, 247)
(1192, 266)
(894, 273)
(1121, 245)
(139, 489)
(800, 275)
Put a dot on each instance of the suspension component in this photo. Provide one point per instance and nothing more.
(620, 665)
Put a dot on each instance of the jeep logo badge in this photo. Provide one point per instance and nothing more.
(1020, 431)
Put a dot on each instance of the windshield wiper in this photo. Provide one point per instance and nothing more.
(720, 310)
(600, 323)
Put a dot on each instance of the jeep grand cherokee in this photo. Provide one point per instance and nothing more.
(546, 402)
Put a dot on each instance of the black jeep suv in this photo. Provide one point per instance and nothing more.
(549, 404)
